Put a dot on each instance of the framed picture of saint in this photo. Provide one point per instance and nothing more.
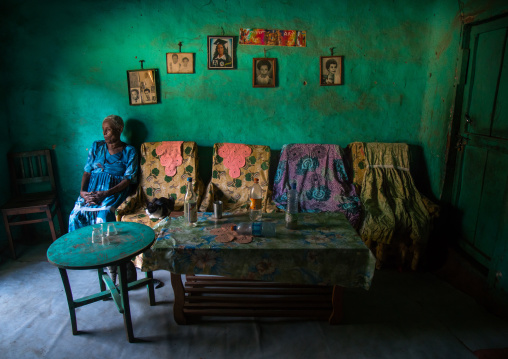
(263, 72)
(220, 53)
(330, 70)
(142, 85)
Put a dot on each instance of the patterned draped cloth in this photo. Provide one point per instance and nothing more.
(106, 171)
(397, 217)
(322, 182)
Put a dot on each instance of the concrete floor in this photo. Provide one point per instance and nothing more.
(404, 315)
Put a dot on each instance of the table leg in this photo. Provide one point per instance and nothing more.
(124, 293)
(100, 272)
(149, 287)
(70, 300)
(337, 313)
(176, 283)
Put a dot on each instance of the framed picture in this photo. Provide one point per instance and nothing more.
(180, 62)
(220, 53)
(142, 85)
(330, 70)
(263, 72)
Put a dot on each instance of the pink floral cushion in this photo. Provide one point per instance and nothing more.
(170, 156)
(234, 155)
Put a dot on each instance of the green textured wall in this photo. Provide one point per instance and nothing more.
(64, 69)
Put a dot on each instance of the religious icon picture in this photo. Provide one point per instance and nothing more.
(330, 70)
(220, 53)
(263, 72)
(142, 85)
(180, 62)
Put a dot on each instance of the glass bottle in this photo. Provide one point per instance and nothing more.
(292, 208)
(190, 204)
(256, 196)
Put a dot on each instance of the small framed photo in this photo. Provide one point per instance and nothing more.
(220, 53)
(180, 62)
(142, 85)
(263, 72)
(330, 70)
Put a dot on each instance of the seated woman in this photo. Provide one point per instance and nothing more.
(111, 166)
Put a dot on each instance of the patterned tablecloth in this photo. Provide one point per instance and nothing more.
(324, 250)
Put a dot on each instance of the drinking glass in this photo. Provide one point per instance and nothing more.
(111, 230)
(97, 235)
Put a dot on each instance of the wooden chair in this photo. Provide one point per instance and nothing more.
(34, 192)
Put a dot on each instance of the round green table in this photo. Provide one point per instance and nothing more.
(76, 251)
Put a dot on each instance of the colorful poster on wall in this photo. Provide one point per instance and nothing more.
(272, 37)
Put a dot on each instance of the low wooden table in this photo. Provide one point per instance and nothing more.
(75, 250)
(298, 273)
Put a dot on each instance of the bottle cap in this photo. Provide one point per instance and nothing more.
(233, 228)
(256, 180)
(189, 179)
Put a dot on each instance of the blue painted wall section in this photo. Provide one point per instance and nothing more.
(64, 69)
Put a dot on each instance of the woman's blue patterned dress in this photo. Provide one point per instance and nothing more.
(106, 171)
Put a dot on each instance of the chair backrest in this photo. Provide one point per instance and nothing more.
(321, 177)
(31, 171)
(232, 185)
(158, 179)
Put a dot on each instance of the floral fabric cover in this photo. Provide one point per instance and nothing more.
(325, 250)
(234, 191)
(397, 218)
(170, 155)
(155, 183)
(234, 157)
(322, 182)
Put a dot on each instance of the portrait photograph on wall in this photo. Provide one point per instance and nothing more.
(220, 53)
(142, 85)
(180, 62)
(263, 72)
(330, 70)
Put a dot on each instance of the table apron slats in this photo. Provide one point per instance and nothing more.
(271, 299)
(215, 296)
(259, 313)
(275, 303)
(246, 290)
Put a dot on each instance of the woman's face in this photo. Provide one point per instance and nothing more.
(111, 135)
(263, 69)
(333, 68)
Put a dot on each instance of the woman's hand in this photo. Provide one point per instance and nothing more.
(95, 197)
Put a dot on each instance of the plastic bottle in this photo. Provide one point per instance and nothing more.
(258, 229)
(256, 196)
(292, 208)
(190, 209)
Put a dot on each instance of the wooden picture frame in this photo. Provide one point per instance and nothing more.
(221, 55)
(180, 62)
(264, 72)
(330, 70)
(143, 87)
